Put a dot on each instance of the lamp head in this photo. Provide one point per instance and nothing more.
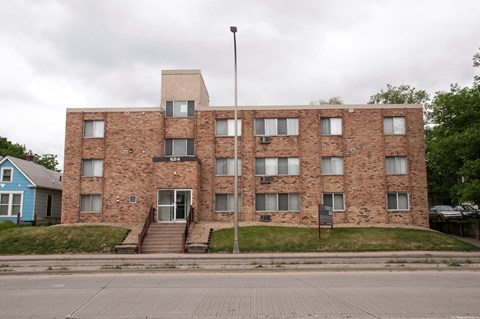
(233, 29)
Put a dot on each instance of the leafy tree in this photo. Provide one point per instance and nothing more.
(453, 144)
(12, 149)
(404, 94)
(335, 100)
(48, 161)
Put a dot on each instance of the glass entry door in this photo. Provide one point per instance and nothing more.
(173, 204)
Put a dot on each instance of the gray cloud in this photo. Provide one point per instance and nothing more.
(82, 53)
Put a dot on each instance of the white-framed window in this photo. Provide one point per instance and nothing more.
(93, 128)
(396, 165)
(48, 209)
(332, 165)
(394, 125)
(91, 203)
(7, 174)
(276, 126)
(180, 109)
(397, 201)
(180, 147)
(331, 126)
(226, 203)
(92, 167)
(277, 166)
(226, 167)
(334, 201)
(11, 203)
(226, 127)
(277, 202)
(132, 199)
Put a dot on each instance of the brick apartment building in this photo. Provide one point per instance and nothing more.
(367, 162)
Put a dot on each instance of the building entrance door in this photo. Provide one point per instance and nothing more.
(173, 205)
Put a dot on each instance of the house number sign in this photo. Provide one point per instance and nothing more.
(175, 159)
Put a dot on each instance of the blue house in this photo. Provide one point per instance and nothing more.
(29, 192)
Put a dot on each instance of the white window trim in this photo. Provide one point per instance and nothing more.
(398, 209)
(10, 202)
(229, 160)
(331, 165)
(93, 170)
(276, 126)
(393, 120)
(93, 132)
(333, 201)
(91, 211)
(276, 204)
(330, 120)
(239, 127)
(230, 196)
(173, 110)
(276, 166)
(395, 165)
(173, 147)
(11, 174)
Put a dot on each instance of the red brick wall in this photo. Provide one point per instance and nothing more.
(132, 140)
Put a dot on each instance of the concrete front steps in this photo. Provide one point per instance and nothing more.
(164, 238)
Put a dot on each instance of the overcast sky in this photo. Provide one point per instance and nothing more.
(80, 53)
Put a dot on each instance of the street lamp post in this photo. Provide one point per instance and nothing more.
(236, 248)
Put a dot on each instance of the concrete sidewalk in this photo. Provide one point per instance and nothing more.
(371, 261)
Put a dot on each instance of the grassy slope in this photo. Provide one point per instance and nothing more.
(57, 240)
(293, 239)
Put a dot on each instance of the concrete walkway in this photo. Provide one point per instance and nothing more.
(371, 261)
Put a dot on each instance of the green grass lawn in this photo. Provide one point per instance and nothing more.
(299, 239)
(58, 239)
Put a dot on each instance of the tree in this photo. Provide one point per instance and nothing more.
(453, 144)
(48, 161)
(335, 100)
(12, 149)
(404, 94)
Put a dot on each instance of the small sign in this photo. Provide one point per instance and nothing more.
(325, 217)
(175, 159)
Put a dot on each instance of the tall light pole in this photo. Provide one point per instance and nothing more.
(236, 248)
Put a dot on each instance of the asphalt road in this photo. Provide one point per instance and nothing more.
(380, 294)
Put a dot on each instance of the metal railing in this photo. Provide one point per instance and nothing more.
(146, 225)
(187, 227)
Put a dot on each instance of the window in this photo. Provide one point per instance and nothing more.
(92, 167)
(334, 201)
(271, 127)
(332, 166)
(226, 166)
(227, 127)
(93, 128)
(394, 125)
(49, 206)
(179, 147)
(10, 204)
(277, 202)
(132, 199)
(91, 203)
(226, 202)
(180, 109)
(396, 165)
(277, 166)
(397, 201)
(331, 126)
(6, 174)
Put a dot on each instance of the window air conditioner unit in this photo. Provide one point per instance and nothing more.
(265, 139)
(266, 179)
(265, 218)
